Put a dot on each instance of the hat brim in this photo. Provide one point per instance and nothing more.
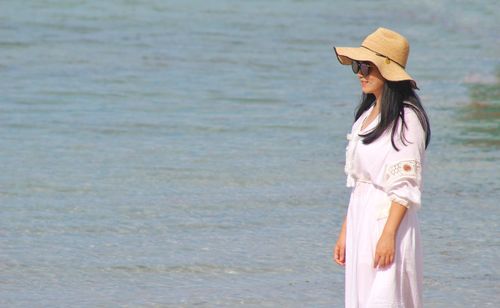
(389, 69)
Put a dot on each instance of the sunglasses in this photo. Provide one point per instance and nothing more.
(364, 67)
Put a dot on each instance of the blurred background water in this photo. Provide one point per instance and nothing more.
(190, 153)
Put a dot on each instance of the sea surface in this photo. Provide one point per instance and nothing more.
(190, 153)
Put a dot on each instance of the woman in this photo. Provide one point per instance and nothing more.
(379, 243)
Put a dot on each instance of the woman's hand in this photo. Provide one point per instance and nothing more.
(385, 251)
(339, 250)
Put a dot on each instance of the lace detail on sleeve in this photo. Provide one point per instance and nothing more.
(406, 169)
(402, 182)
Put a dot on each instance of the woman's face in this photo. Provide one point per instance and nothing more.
(373, 83)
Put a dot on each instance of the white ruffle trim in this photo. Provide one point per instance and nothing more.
(349, 159)
(399, 200)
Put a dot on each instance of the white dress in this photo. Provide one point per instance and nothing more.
(378, 174)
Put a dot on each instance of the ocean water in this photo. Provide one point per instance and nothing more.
(190, 153)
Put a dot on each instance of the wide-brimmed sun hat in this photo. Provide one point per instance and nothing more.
(385, 48)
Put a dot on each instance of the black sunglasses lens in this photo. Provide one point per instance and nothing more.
(365, 69)
(355, 67)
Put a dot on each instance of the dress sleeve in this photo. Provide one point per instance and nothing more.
(403, 168)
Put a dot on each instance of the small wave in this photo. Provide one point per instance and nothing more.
(255, 100)
(4, 45)
(476, 78)
(198, 268)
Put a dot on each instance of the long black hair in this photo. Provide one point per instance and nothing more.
(396, 95)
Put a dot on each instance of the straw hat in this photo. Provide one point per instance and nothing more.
(387, 49)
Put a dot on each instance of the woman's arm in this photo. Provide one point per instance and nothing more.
(339, 250)
(402, 184)
(384, 253)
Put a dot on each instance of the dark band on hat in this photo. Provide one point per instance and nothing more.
(381, 55)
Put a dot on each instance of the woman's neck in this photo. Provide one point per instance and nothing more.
(376, 106)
